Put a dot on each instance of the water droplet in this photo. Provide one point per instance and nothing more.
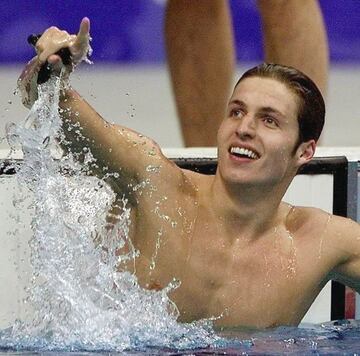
(81, 219)
(153, 169)
(46, 141)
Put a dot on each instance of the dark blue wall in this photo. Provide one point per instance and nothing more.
(130, 31)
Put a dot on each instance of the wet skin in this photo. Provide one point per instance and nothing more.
(242, 255)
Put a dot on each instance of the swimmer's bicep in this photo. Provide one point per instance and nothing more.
(141, 157)
(116, 149)
(119, 151)
(348, 274)
(135, 166)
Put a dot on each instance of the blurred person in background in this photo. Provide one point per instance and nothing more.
(201, 55)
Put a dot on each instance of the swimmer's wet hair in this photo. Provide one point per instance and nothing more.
(311, 113)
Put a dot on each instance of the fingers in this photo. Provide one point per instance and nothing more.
(51, 42)
(82, 38)
(54, 40)
(84, 28)
(54, 59)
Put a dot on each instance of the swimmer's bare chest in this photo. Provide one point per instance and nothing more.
(269, 282)
(262, 282)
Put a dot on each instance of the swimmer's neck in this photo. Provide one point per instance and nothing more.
(249, 209)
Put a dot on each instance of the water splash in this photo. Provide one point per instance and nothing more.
(81, 299)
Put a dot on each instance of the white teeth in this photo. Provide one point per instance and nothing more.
(243, 151)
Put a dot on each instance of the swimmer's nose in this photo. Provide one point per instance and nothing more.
(46, 69)
(246, 127)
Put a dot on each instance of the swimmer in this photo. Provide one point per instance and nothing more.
(200, 54)
(242, 255)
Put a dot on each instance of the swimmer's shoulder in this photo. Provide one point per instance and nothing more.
(306, 220)
(315, 220)
(335, 222)
(305, 214)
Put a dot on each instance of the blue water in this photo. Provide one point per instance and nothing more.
(332, 338)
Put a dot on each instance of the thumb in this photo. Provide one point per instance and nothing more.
(80, 46)
(84, 31)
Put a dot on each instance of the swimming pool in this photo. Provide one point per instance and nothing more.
(332, 338)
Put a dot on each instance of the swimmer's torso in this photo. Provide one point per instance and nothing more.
(262, 282)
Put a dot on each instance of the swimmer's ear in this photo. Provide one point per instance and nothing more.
(305, 152)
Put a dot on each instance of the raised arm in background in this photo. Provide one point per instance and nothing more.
(200, 52)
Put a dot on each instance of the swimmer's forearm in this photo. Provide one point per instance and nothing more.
(85, 129)
(112, 146)
(83, 126)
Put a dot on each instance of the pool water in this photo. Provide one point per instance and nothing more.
(332, 338)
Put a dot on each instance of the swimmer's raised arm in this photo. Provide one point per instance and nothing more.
(115, 148)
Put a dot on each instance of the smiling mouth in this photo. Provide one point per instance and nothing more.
(241, 152)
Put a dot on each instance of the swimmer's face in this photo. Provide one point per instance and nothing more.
(257, 138)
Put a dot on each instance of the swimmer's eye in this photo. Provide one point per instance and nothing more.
(236, 113)
(270, 121)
